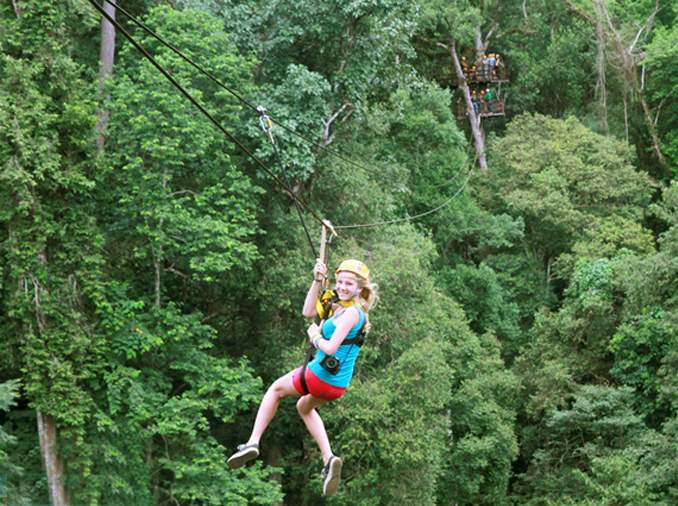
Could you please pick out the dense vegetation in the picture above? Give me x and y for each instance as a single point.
(524, 350)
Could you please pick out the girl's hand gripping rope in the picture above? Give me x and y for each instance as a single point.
(320, 270)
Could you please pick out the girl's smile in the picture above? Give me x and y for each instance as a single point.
(346, 286)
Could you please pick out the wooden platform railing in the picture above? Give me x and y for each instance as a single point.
(446, 78)
(494, 108)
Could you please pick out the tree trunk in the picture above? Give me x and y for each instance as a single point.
(656, 143)
(54, 468)
(479, 49)
(476, 128)
(107, 55)
(601, 84)
(158, 255)
(627, 63)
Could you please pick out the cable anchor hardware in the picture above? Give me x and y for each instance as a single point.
(265, 122)
(266, 125)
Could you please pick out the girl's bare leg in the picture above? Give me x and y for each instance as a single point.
(281, 388)
(306, 406)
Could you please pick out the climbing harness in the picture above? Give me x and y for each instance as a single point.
(330, 298)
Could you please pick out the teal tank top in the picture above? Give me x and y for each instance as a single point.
(346, 354)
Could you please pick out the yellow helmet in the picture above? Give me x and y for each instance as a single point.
(356, 267)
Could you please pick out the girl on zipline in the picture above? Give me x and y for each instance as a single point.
(323, 380)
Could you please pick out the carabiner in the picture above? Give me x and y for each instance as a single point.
(264, 120)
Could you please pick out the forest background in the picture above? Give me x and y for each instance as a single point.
(524, 351)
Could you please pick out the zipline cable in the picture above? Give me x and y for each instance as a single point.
(222, 85)
(418, 215)
(266, 125)
(200, 107)
(236, 141)
(463, 164)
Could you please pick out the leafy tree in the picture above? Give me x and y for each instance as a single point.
(485, 302)
(615, 325)
(8, 466)
(182, 220)
(622, 32)
(585, 449)
(191, 210)
(50, 243)
(341, 53)
(552, 65)
(647, 335)
(661, 52)
(120, 370)
(566, 183)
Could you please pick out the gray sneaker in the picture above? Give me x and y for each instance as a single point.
(331, 475)
(244, 454)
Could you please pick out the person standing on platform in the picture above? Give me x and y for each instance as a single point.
(490, 62)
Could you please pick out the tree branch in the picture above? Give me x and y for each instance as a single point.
(495, 24)
(647, 24)
(221, 312)
(432, 42)
(17, 9)
(522, 29)
(326, 137)
(573, 8)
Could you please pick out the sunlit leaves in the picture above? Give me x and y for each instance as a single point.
(562, 178)
(174, 177)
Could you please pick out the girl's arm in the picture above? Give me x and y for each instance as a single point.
(348, 319)
(319, 272)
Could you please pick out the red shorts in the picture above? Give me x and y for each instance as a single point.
(316, 387)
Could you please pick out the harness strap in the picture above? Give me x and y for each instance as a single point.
(309, 354)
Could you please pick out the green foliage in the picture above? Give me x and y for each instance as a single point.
(564, 180)
(175, 185)
(662, 53)
(394, 427)
(552, 65)
(647, 335)
(482, 411)
(302, 102)
(524, 281)
(640, 344)
(667, 210)
(351, 45)
(149, 291)
(603, 239)
(50, 242)
(156, 405)
(460, 17)
(8, 394)
(484, 300)
(584, 448)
